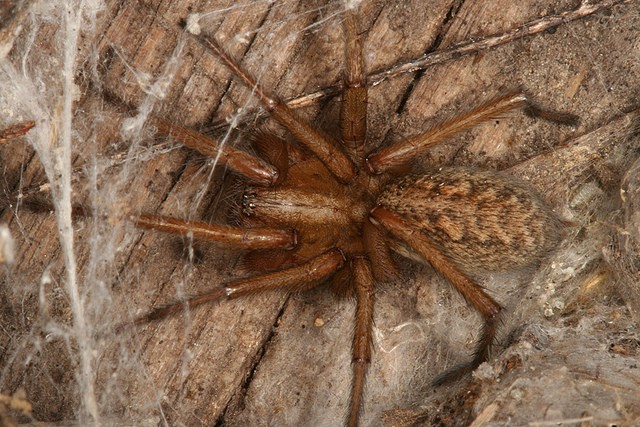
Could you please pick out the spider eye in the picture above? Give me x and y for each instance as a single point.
(248, 202)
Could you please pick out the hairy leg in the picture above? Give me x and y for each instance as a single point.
(300, 277)
(365, 298)
(15, 131)
(403, 152)
(229, 236)
(322, 145)
(249, 166)
(353, 113)
(472, 293)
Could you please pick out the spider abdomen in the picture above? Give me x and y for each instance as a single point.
(481, 220)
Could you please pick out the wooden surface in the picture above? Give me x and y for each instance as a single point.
(285, 360)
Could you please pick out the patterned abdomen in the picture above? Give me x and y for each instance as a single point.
(481, 220)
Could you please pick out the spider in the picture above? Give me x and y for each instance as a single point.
(332, 212)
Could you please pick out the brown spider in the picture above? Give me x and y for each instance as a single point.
(332, 212)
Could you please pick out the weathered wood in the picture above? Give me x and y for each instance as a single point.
(278, 360)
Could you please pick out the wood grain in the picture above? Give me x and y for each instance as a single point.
(285, 360)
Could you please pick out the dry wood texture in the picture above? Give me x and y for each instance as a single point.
(569, 345)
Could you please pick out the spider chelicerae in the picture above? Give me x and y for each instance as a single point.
(325, 211)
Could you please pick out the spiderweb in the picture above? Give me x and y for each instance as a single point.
(91, 73)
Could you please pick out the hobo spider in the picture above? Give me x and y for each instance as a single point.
(326, 212)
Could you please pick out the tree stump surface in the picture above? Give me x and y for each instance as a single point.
(568, 345)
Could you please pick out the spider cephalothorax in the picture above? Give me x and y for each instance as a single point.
(324, 212)
(319, 210)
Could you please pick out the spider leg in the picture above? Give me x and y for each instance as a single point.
(378, 251)
(240, 162)
(301, 277)
(273, 149)
(403, 152)
(472, 293)
(233, 237)
(353, 114)
(362, 343)
(229, 236)
(322, 145)
(15, 131)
